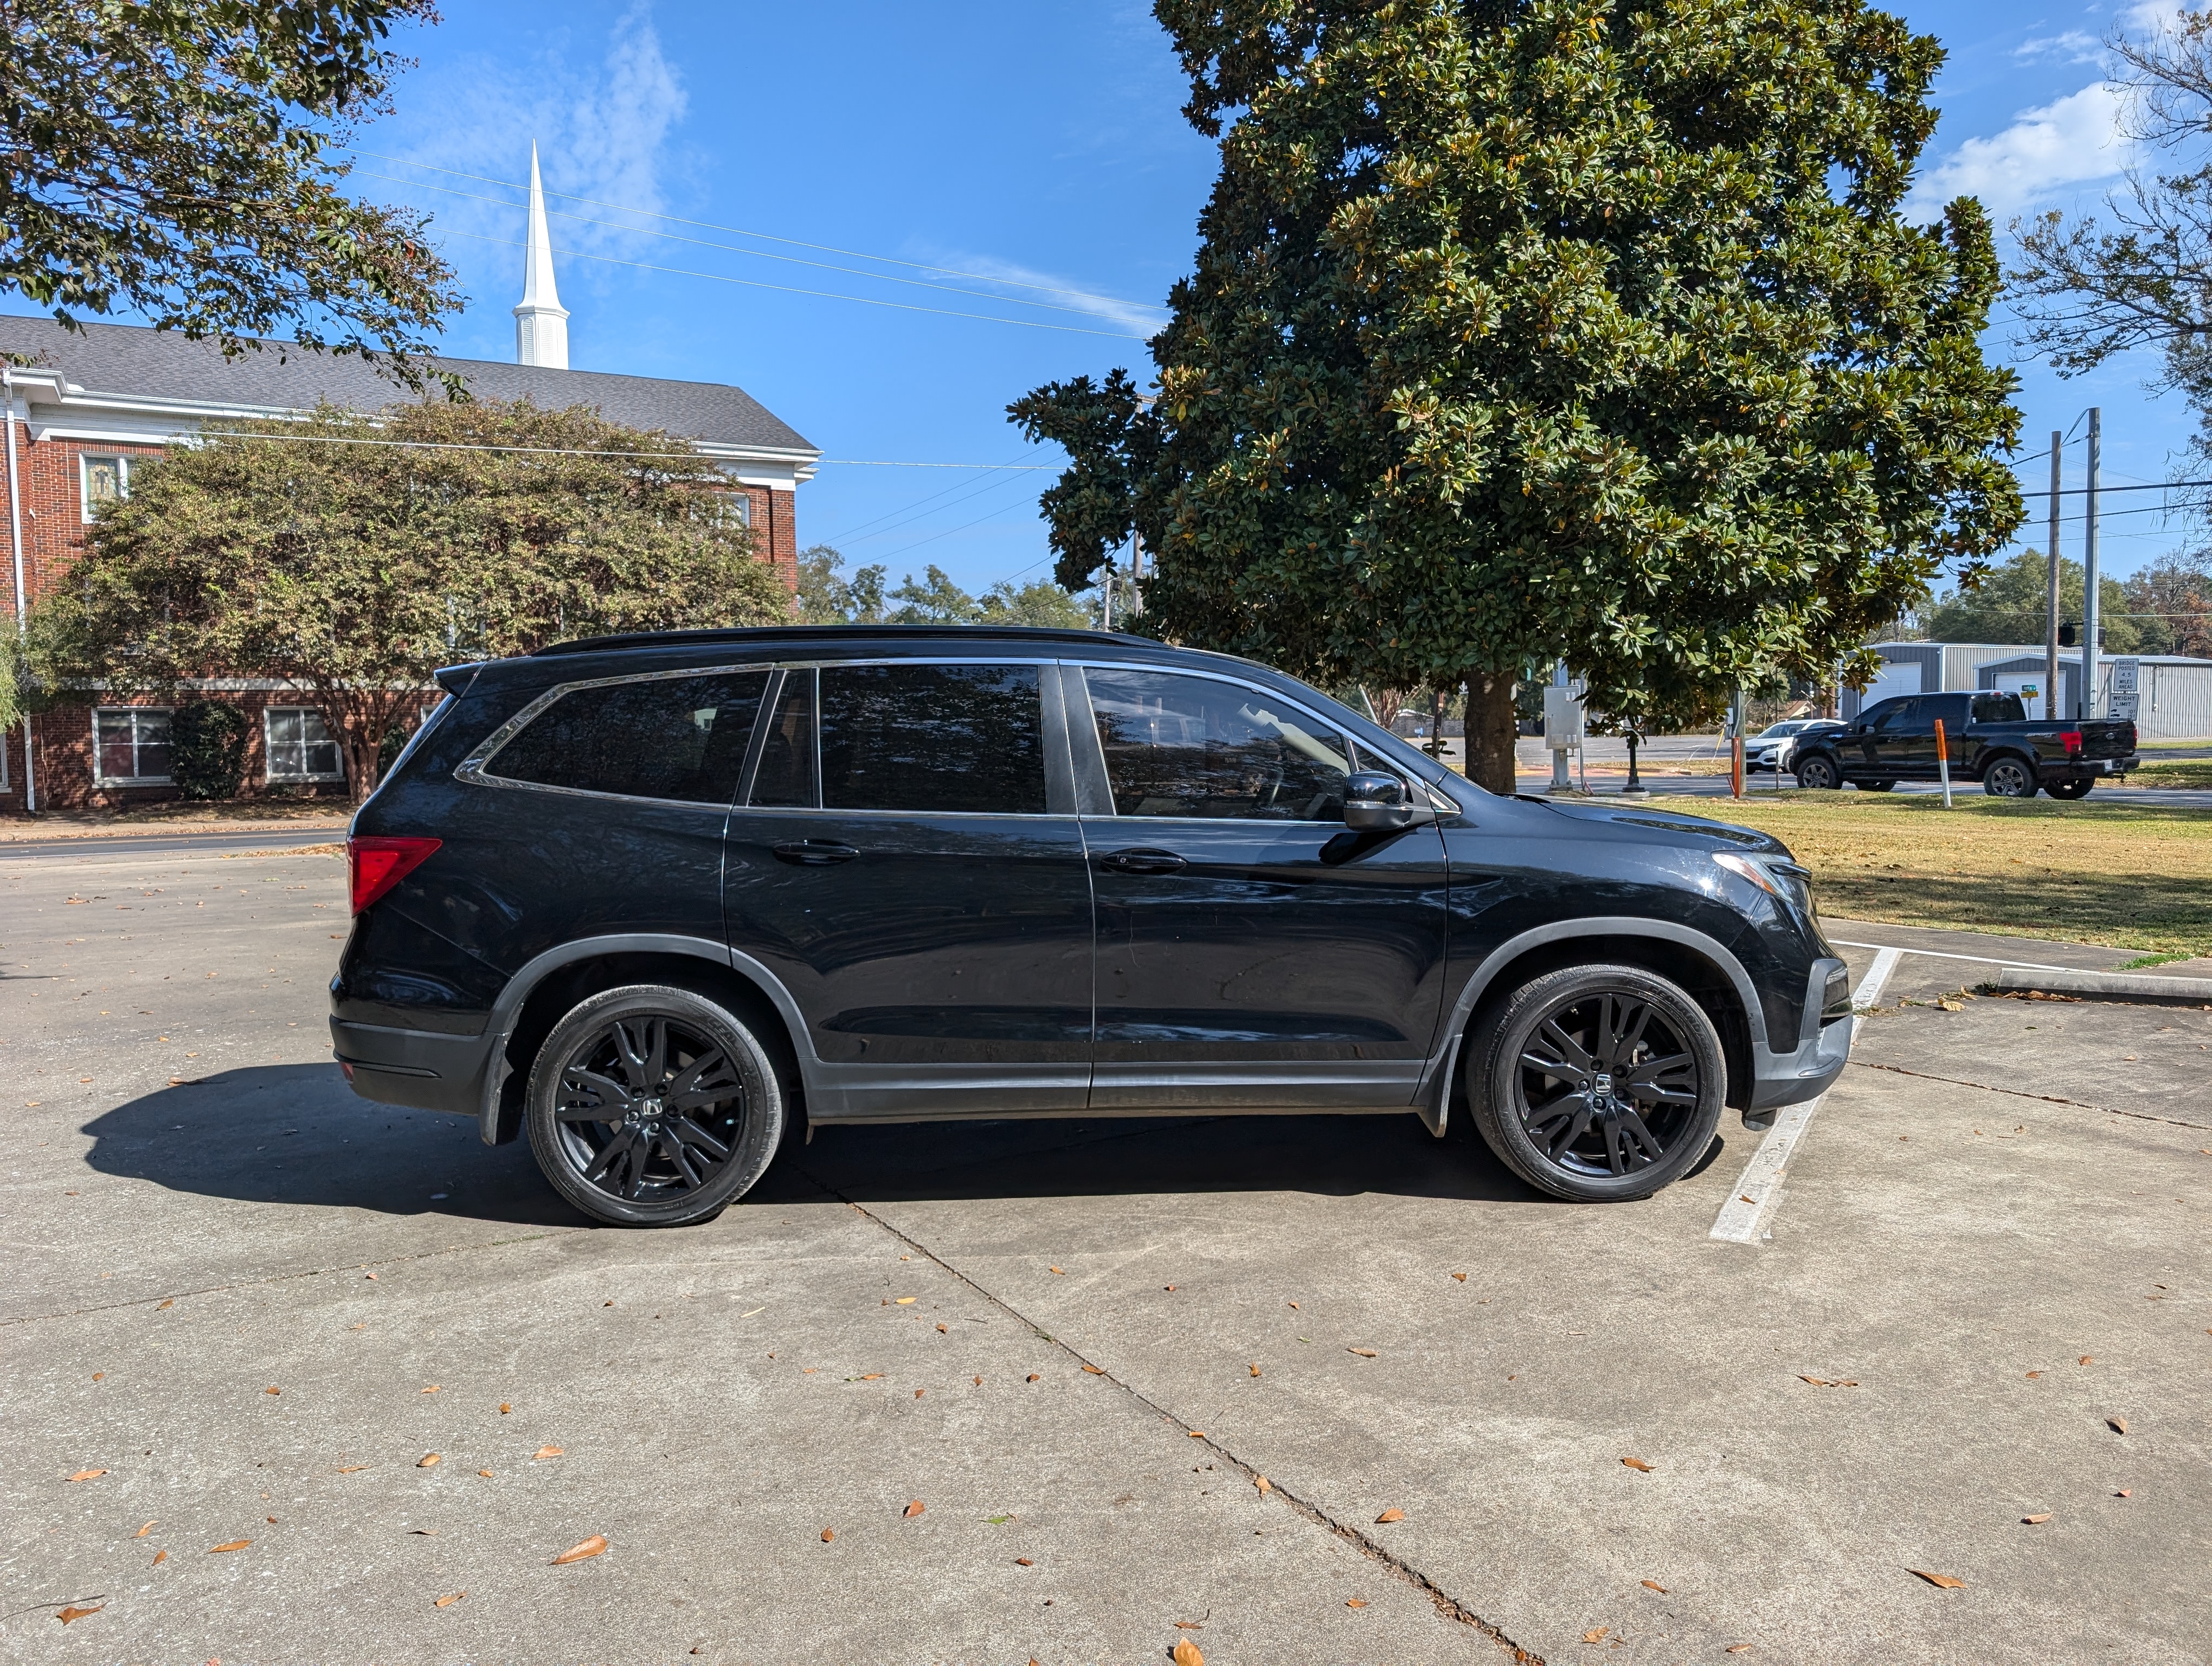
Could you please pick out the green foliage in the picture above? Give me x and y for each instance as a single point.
(11, 671)
(2009, 603)
(207, 749)
(355, 558)
(1568, 329)
(826, 597)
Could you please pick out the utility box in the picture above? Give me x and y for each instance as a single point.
(1563, 718)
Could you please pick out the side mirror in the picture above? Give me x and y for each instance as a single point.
(1377, 803)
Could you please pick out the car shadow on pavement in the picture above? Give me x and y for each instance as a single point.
(296, 1134)
(1327, 1156)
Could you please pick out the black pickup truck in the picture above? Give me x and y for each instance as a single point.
(1991, 739)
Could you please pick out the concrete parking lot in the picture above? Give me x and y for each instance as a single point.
(1970, 1337)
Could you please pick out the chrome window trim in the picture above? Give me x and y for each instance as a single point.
(1328, 724)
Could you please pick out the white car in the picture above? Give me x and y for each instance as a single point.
(1770, 747)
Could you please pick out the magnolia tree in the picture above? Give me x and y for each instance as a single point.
(1565, 329)
(353, 556)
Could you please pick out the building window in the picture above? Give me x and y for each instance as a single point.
(734, 509)
(301, 745)
(106, 480)
(131, 745)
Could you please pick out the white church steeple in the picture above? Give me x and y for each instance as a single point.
(541, 323)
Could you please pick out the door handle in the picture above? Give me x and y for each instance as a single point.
(1144, 861)
(815, 853)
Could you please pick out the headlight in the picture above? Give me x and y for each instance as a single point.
(1777, 876)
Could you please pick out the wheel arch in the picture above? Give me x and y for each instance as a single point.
(1699, 964)
(549, 986)
(1997, 754)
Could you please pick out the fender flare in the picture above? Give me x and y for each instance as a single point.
(506, 1011)
(1434, 1097)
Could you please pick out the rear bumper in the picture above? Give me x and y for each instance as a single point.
(2074, 768)
(424, 1069)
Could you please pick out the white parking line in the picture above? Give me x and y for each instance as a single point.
(1945, 954)
(1745, 1216)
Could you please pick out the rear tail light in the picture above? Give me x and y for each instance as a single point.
(379, 864)
(2070, 739)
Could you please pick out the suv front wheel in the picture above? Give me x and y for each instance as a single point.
(653, 1106)
(1597, 1084)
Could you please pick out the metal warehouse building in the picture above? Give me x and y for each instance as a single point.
(2175, 692)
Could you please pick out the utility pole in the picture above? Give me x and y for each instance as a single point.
(2050, 627)
(2089, 575)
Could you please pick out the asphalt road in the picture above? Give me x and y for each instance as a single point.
(1078, 1346)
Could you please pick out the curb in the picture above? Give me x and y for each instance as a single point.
(2106, 986)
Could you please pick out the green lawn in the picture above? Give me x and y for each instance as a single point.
(2103, 870)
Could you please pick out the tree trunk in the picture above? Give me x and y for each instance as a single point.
(1490, 724)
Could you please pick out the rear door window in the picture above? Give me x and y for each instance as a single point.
(1998, 708)
(1196, 746)
(1893, 714)
(933, 739)
(676, 738)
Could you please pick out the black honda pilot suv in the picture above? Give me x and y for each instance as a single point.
(658, 900)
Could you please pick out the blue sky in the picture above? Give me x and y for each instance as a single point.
(1029, 162)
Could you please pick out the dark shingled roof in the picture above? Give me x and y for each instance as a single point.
(127, 360)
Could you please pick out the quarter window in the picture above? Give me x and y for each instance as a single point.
(1194, 746)
(106, 480)
(1999, 709)
(933, 738)
(301, 745)
(132, 744)
(678, 738)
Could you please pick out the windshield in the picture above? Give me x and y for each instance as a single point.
(1774, 730)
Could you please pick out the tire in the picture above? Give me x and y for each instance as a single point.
(1819, 774)
(1542, 1123)
(2009, 777)
(1877, 786)
(2076, 787)
(630, 1051)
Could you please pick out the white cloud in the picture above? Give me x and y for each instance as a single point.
(2069, 46)
(2074, 141)
(1044, 290)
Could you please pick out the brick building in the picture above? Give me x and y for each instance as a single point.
(84, 410)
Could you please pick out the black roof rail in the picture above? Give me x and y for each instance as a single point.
(652, 639)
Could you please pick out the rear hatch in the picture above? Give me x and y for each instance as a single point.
(2104, 738)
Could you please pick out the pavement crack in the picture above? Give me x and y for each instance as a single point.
(1445, 1604)
(2017, 1093)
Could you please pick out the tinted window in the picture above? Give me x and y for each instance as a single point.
(1895, 713)
(933, 738)
(1999, 709)
(661, 738)
(785, 775)
(1191, 746)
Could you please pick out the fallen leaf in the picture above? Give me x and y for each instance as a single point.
(829, 1534)
(1461, 1277)
(1637, 1464)
(1264, 1486)
(2089, 1359)
(941, 1329)
(1364, 1353)
(1023, 1561)
(1294, 1306)
(2124, 1494)
(1195, 1434)
(594, 1546)
(1595, 1633)
(2037, 1521)
(1032, 1376)
(172, 1302)
(1187, 1654)
(235, 1544)
(486, 1473)
(423, 1532)
(979, 1382)
(97, 1375)
(1653, 1584)
(872, 1377)
(1256, 1371)
(433, 1389)
(1941, 1581)
(2034, 1374)
(1817, 1381)
(72, 1615)
(1093, 1370)
(1061, 1274)
(547, 1452)
(907, 1301)
(1355, 1602)
(918, 1393)
(1738, 1648)
(144, 1530)
(89, 1475)
(504, 1408)
(448, 1601)
(272, 1389)
(2119, 1425)
(350, 1470)
(1392, 1514)
(428, 1461)
(914, 1508)
(159, 1557)
(371, 1276)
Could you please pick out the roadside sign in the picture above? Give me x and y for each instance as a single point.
(2126, 697)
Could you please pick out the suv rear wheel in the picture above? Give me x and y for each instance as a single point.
(1597, 1082)
(653, 1106)
(2074, 787)
(1818, 773)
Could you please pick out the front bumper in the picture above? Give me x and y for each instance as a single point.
(1810, 1067)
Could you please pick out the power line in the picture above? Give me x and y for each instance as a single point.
(857, 535)
(579, 451)
(763, 254)
(736, 231)
(2102, 490)
(787, 289)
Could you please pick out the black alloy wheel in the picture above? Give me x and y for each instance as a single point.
(2075, 787)
(1819, 774)
(1598, 1083)
(2008, 778)
(653, 1106)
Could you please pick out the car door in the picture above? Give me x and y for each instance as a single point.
(1251, 951)
(905, 861)
(1885, 745)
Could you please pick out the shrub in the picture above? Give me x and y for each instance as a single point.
(208, 759)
